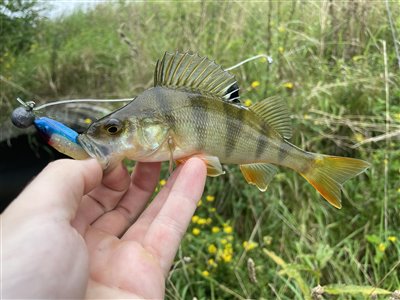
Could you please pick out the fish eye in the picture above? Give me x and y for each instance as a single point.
(113, 126)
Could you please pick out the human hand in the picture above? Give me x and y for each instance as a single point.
(73, 233)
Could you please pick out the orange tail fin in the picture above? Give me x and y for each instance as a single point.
(327, 174)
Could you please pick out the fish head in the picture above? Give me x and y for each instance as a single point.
(109, 138)
(135, 132)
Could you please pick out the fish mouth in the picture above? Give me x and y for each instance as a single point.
(100, 152)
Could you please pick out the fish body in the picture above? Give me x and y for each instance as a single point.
(60, 137)
(196, 125)
(193, 110)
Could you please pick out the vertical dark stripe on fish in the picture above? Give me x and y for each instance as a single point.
(262, 141)
(165, 108)
(200, 120)
(234, 128)
(283, 152)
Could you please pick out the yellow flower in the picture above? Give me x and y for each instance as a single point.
(227, 255)
(212, 249)
(211, 262)
(227, 258)
(215, 229)
(196, 231)
(224, 241)
(163, 182)
(230, 237)
(398, 190)
(228, 229)
(382, 247)
(195, 219)
(306, 117)
(397, 117)
(199, 203)
(212, 209)
(205, 273)
(255, 84)
(208, 221)
(288, 85)
(228, 247)
(281, 29)
(392, 238)
(281, 50)
(88, 121)
(358, 137)
(248, 102)
(210, 198)
(249, 245)
(201, 221)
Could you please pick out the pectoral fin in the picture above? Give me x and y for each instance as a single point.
(259, 175)
(214, 167)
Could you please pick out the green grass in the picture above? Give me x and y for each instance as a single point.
(329, 63)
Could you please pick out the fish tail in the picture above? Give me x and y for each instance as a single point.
(327, 174)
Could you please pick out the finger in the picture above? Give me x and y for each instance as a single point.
(59, 188)
(103, 198)
(166, 231)
(144, 181)
(138, 230)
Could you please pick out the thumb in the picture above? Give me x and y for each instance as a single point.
(58, 189)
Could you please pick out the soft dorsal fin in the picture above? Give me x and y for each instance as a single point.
(190, 72)
(275, 112)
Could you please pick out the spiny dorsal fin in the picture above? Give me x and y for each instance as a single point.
(190, 72)
(275, 112)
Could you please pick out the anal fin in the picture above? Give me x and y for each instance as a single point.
(259, 174)
(214, 167)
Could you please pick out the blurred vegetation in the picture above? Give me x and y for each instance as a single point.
(19, 21)
(335, 63)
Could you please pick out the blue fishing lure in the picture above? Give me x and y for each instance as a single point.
(60, 137)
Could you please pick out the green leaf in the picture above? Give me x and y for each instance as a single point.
(291, 272)
(339, 289)
(373, 239)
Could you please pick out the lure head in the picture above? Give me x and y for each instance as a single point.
(22, 117)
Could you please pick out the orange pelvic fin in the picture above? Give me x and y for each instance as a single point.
(327, 174)
(214, 167)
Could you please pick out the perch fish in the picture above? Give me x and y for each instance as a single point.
(194, 110)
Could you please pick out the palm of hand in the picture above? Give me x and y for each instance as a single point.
(124, 269)
(114, 259)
